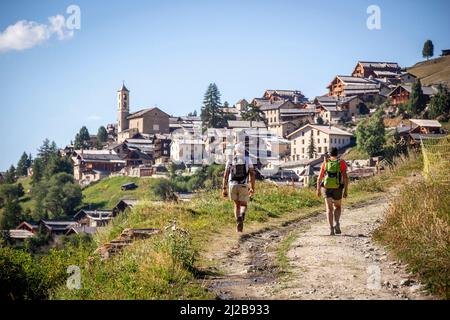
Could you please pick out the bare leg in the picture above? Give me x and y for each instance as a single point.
(337, 210)
(329, 204)
(243, 209)
(237, 209)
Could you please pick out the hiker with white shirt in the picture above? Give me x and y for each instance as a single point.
(239, 172)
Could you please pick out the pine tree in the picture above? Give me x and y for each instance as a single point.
(311, 146)
(428, 49)
(252, 113)
(440, 104)
(102, 134)
(11, 215)
(23, 165)
(211, 113)
(38, 171)
(320, 121)
(11, 175)
(82, 139)
(416, 103)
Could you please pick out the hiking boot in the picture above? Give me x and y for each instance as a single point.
(337, 228)
(331, 231)
(240, 224)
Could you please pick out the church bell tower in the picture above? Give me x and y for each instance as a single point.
(123, 100)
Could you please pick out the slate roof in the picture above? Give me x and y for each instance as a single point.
(123, 88)
(95, 214)
(82, 229)
(331, 130)
(87, 156)
(428, 91)
(20, 234)
(58, 225)
(426, 123)
(245, 124)
(141, 113)
(379, 65)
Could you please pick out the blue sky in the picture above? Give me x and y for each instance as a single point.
(169, 51)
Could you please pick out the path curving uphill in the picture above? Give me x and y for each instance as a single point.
(346, 266)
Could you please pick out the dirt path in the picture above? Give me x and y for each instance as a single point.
(347, 266)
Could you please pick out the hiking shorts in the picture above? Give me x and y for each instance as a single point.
(336, 194)
(239, 192)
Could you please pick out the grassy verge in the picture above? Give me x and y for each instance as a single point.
(417, 229)
(283, 248)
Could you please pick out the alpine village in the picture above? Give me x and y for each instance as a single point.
(89, 200)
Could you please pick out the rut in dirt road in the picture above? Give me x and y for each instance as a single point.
(347, 266)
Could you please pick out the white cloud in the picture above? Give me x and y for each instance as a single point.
(27, 34)
(94, 117)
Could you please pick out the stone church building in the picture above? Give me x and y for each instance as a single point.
(149, 121)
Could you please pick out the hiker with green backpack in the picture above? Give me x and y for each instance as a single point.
(332, 184)
(239, 172)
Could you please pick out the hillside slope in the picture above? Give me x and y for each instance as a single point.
(433, 71)
(106, 193)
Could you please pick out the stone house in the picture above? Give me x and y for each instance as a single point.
(324, 138)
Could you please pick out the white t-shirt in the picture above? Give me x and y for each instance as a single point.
(248, 166)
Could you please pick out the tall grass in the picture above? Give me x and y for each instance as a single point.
(417, 228)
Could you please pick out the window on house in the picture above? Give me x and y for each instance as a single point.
(320, 149)
(325, 140)
(326, 149)
(318, 140)
(156, 127)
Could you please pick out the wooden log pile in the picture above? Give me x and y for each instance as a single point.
(123, 240)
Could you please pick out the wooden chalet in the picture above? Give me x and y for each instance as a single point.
(92, 165)
(16, 237)
(283, 116)
(123, 205)
(28, 226)
(93, 218)
(366, 69)
(345, 86)
(56, 227)
(334, 109)
(420, 129)
(81, 230)
(294, 96)
(400, 95)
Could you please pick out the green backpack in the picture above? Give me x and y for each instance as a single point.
(332, 178)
